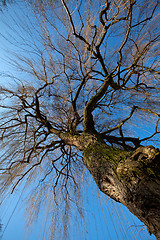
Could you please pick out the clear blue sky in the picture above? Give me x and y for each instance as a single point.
(105, 220)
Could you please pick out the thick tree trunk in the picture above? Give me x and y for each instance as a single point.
(130, 178)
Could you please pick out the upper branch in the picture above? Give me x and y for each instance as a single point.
(73, 26)
(121, 124)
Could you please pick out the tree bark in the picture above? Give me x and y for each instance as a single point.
(132, 178)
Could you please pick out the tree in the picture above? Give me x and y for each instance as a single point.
(91, 78)
(3, 3)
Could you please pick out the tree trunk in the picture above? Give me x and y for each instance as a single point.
(132, 178)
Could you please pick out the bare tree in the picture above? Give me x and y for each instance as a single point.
(89, 90)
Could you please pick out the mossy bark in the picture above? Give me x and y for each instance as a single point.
(132, 178)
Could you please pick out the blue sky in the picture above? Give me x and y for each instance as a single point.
(104, 219)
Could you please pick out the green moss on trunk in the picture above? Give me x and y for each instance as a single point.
(104, 153)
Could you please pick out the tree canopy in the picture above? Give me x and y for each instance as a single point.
(82, 67)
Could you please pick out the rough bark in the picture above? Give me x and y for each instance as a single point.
(132, 178)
